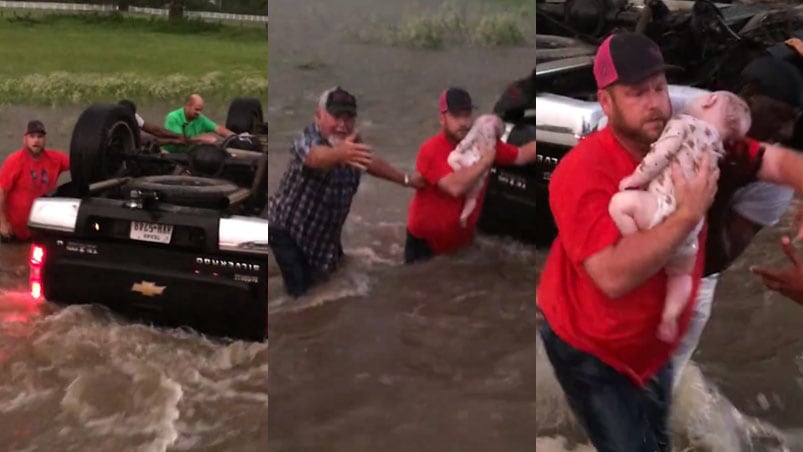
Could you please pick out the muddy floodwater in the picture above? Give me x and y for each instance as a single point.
(433, 357)
(444, 356)
(80, 378)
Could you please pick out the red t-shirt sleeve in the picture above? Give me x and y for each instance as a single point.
(64, 161)
(506, 154)
(579, 194)
(8, 173)
(430, 166)
(754, 149)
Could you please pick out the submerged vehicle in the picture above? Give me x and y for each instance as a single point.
(172, 239)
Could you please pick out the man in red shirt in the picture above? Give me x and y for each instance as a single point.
(602, 294)
(434, 226)
(27, 174)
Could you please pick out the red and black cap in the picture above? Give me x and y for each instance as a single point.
(35, 126)
(455, 100)
(339, 101)
(628, 57)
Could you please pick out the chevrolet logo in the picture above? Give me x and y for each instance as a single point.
(147, 288)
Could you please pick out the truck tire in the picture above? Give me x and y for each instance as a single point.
(100, 138)
(188, 191)
(245, 114)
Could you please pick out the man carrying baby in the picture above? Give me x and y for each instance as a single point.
(434, 225)
(601, 293)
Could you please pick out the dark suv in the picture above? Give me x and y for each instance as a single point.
(173, 239)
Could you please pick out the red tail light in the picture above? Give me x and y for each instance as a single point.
(36, 263)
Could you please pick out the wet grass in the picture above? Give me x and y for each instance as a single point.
(488, 23)
(56, 59)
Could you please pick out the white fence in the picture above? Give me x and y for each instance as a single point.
(207, 15)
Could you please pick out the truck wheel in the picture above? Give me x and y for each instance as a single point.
(189, 191)
(100, 138)
(245, 114)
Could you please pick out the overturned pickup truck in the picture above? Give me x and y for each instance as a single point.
(172, 239)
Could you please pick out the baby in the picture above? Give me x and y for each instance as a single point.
(486, 130)
(708, 120)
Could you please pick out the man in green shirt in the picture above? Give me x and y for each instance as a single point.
(190, 123)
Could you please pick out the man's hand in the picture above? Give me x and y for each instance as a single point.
(796, 44)
(417, 180)
(5, 227)
(787, 281)
(204, 139)
(163, 141)
(695, 196)
(799, 222)
(358, 155)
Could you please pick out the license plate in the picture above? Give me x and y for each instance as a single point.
(151, 232)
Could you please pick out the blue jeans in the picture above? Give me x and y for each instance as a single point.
(296, 272)
(617, 415)
(416, 249)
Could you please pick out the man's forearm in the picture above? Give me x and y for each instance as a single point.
(382, 169)
(458, 183)
(3, 217)
(164, 133)
(635, 258)
(224, 132)
(323, 157)
(160, 132)
(526, 154)
(782, 166)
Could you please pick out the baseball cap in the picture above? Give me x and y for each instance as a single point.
(35, 126)
(627, 57)
(338, 101)
(455, 100)
(775, 78)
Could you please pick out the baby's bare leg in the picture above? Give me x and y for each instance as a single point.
(468, 207)
(632, 210)
(470, 203)
(678, 293)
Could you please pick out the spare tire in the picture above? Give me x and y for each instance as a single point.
(245, 114)
(207, 159)
(100, 138)
(188, 191)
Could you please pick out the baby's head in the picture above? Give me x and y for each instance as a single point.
(773, 119)
(725, 111)
(492, 122)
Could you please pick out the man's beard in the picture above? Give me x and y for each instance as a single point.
(337, 138)
(638, 134)
(456, 135)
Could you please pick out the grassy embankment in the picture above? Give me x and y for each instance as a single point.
(57, 59)
(487, 23)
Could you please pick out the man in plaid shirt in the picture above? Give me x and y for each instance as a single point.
(307, 212)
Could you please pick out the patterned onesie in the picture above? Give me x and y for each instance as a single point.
(685, 139)
(486, 130)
